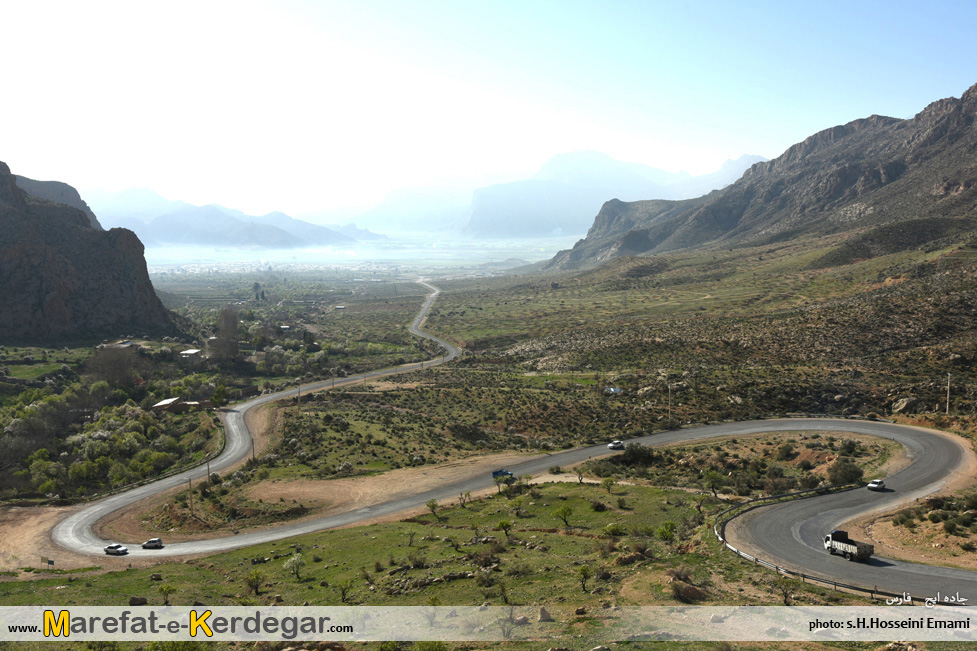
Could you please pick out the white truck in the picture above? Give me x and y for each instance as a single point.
(838, 542)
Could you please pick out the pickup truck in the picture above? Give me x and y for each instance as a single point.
(838, 542)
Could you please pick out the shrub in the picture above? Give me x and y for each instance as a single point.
(681, 573)
(687, 593)
(844, 471)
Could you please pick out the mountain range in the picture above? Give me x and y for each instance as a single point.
(877, 175)
(158, 222)
(559, 199)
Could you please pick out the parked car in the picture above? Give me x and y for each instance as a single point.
(153, 543)
(115, 549)
(876, 485)
(616, 445)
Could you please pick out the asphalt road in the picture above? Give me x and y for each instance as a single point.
(76, 531)
(790, 533)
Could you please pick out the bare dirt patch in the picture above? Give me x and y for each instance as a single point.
(26, 539)
(322, 497)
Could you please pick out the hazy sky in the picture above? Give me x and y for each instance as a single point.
(299, 106)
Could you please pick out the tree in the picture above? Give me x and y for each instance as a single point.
(432, 505)
(584, 574)
(786, 587)
(607, 483)
(117, 366)
(844, 471)
(713, 480)
(506, 527)
(219, 399)
(294, 565)
(254, 580)
(226, 346)
(500, 481)
(563, 513)
(345, 588)
(166, 590)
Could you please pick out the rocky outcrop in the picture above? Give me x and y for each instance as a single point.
(867, 173)
(57, 192)
(60, 277)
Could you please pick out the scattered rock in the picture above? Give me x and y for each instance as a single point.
(905, 406)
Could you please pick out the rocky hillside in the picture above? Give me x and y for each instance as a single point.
(870, 172)
(63, 278)
(57, 192)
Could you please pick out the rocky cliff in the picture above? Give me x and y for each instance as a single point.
(60, 277)
(57, 192)
(867, 173)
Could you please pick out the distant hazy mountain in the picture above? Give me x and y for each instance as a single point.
(569, 189)
(901, 182)
(560, 199)
(424, 210)
(306, 232)
(140, 204)
(358, 234)
(159, 221)
(57, 192)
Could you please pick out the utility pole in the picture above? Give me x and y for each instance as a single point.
(669, 402)
(947, 394)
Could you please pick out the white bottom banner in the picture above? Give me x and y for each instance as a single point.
(473, 623)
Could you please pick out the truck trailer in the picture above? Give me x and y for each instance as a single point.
(838, 542)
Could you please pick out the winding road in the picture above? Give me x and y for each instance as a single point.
(789, 533)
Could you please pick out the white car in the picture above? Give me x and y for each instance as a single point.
(616, 445)
(153, 543)
(116, 549)
(876, 485)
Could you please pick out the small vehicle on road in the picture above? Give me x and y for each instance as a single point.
(115, 549)
(838, 542)
(153, 543)
(616, 445)
(876, 485)
(503, 475)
